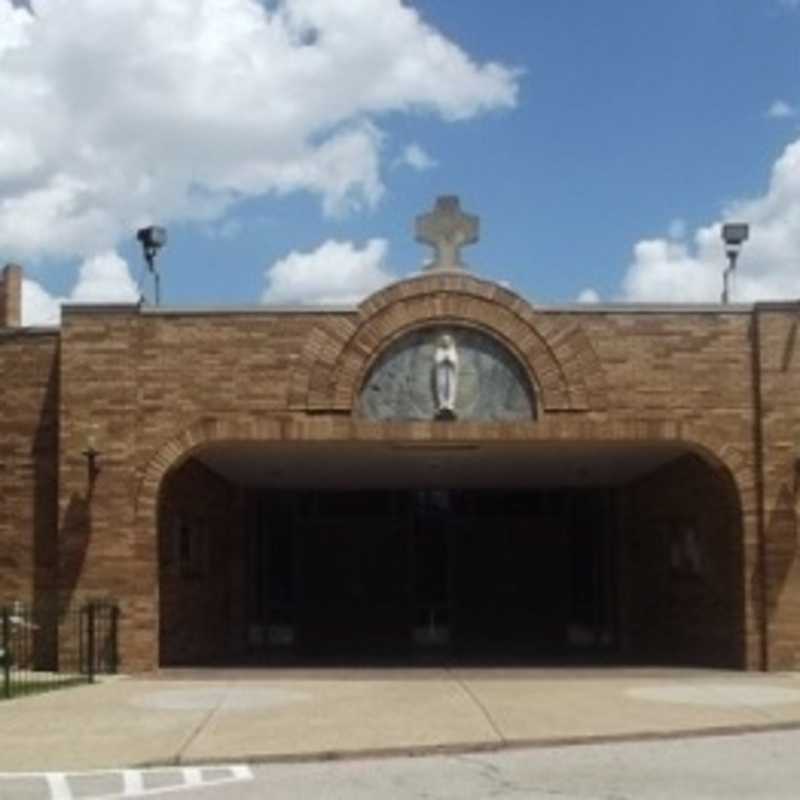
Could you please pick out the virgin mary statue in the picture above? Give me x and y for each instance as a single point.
(446, 377)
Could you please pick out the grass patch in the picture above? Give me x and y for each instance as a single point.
(30, 688)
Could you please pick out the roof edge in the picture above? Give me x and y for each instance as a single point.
(555, 308)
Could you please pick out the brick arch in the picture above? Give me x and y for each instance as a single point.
(180, 447)
(733, 465)
(319, 352)
(557, 355)
(731, 462)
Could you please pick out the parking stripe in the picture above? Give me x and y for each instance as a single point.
(132, 782)
(242, 773)
(192, 777)
(59, 786)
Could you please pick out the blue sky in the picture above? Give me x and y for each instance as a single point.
(601, 153)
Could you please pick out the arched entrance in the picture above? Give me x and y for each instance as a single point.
(486, 550)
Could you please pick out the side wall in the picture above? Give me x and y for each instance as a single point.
(201, 553)
(681, 566)
(133, 382)
(100, 400)
(28, 465)
(777, 338)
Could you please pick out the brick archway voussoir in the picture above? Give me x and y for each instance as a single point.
(387, 325)
(558, 357)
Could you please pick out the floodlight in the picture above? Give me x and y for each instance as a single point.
(154, 237)
(152, 240)
(734, 234)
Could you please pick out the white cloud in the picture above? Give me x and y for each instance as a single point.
(104, 278)
(667, 271)
(769, 264)
(588, 296)
(39, 307)
(18, 157)
(336, 272)
(417, 158)
(780, 109)
(119, 113)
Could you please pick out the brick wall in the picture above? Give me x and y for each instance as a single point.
(147, 379)
(200, 547)
(150, 387)
(684, 366)
(28, 464)
(681, 567)
(100, 554)
(778, 445)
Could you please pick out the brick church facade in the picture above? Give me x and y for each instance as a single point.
(247, 483)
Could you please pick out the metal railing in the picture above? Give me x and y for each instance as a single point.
(42, 647)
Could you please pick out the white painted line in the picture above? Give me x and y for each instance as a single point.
(132, 782)
(58, 785)
(192, 777)
(241, 773)
(108, 771)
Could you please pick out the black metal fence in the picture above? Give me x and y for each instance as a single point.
(42, 647)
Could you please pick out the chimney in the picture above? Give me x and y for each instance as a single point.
(11, 296)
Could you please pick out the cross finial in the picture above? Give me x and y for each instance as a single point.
(447, 229)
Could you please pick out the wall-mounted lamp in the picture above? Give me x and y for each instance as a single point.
(734, 234)
(152, 240)
(91, 454)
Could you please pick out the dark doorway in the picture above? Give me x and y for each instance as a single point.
(426, 574)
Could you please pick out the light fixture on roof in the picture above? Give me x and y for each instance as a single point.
(734, 234)
(152, 240)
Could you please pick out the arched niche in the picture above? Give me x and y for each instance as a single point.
(490, 383)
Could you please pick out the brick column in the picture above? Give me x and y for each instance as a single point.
(11, 297)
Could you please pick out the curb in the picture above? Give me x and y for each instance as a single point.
(467, 748)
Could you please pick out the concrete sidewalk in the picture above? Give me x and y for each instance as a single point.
(202, 717)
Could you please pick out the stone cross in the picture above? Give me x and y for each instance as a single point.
(447, 229)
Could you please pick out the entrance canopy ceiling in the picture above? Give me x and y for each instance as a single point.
(341, 465)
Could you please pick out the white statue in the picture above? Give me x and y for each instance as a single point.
(446, 376)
